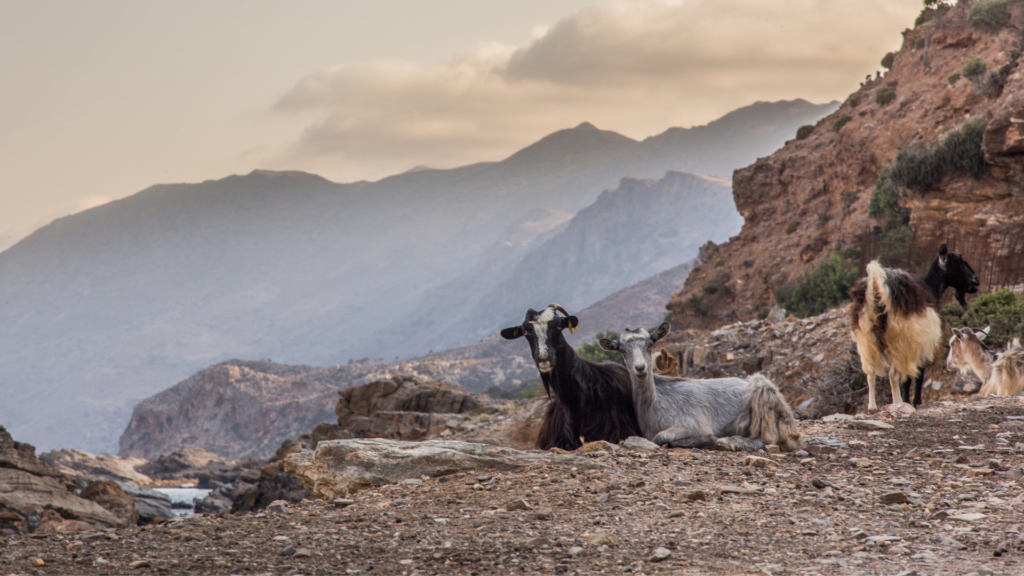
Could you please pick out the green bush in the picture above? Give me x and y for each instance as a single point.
(853, 101)
(719, 263)
(826, 287)
(710, 287)
(804, 131)
(791, 227)
(953, 78)
(990, 14)
(974, 69)
(1002, 310)
(923, 170)
(592, 350)
(887, 60)
(884, 95)
(840, 121)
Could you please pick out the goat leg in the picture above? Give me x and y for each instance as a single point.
(685, 437)
(895, 381)
(905, 388)
(918, 385)
(872, 406)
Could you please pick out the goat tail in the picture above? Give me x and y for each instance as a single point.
(771, 418)
(877, 298)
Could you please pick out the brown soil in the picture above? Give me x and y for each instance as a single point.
(800, 513)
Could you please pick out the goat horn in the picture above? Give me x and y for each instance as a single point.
(558, 308)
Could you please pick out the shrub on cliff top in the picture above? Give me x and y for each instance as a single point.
(840, 121)
(827, 286)
(885, 95)
(991, 14)
(887, 60)
(974, 69)
(922, 170)
(804, 131)
(1002, 310)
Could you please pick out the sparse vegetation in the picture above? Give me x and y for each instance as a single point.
(1002, 310)
(804, 131)
(840, 121)
(887, 60)
(953, 78)
(762, 311)
(853, 101)
(710, 287)
(592, 350)
(991, 14)
(719, 263)
(825, 287)
(697, 305)
(904, 104)
(974, 69)
(705, 251)
(792, 226)
(919, 43)
(884, 95)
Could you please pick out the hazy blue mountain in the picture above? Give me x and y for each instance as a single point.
(108, 306)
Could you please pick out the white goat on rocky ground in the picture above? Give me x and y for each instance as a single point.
(723, 413)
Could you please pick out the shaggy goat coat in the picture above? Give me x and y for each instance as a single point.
(1007, 376)
(895, 326)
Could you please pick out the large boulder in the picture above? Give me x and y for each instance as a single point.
(149, 503)
(273, 484)
(343, 467)
(405, 407)
(112, 497)
(191, 463)
(111, 467)
(30, 487)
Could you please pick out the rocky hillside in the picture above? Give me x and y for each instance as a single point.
(109, 306)
(810, 199)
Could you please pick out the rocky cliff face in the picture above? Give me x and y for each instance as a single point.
(810, 198)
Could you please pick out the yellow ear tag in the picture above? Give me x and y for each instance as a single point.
(582, 441)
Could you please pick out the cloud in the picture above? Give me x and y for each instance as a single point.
(636, 67)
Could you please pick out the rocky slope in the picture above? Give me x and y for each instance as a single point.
(936, 492)
(809, 199)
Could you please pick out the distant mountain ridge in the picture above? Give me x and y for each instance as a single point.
(105, 307)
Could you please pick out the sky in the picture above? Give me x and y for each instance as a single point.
(102, 99)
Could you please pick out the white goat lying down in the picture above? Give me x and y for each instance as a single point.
(725, 413)
(1001, 373)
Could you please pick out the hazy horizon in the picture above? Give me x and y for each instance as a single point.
(108, 98)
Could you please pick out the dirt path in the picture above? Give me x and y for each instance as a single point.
(799, 514)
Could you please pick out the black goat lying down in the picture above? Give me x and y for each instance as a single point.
(585, 399)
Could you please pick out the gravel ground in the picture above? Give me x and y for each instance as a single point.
(938, 494)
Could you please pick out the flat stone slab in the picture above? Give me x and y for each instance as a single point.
(340, 468)
(638, 443)
(973, 517)
(870, 425)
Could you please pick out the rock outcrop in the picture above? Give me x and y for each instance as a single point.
(405, 408)
(340, 468)
(810, 199)
(113, 498)
(111, 467)
(32, 491)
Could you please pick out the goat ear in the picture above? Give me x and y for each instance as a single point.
(570, 322)
(609, 345)
(512, 333)
(660, 332)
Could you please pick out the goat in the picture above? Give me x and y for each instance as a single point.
(896, 324)
(666, 364)
(1007, 376)
(725, 413)
(586, 400)
(967, 353)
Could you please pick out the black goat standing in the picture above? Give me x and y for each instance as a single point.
(585, 399)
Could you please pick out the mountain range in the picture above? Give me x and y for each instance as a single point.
(106, 307)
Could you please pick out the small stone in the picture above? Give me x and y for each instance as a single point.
(280, 538)
(279, 507)
(976, 472)
(39, 562)
(801, 454)
(303, 553)
(343, 503)
(660, 554)
(837, 417)
(772, 449)
(857, 444)
(759, 462)
(676, 514)
(894, 498)
(412, 482)
(817, 449)
(908, 572)
(970, 517)
(520, 504)
(539, 542)
(139, 564)
(736, 490)
(638, 443)
(694, 495)
(405, 561)
(950, 542)
(603, 498)
(600, 540)
(899, 550)
(575, 551)
(870, 425)
(806, 461)
(599, 446)
(483, 479)
(287, 551)
(543, 514)
(819, 483)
